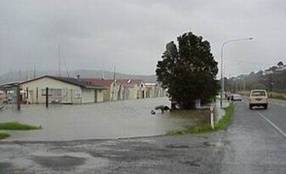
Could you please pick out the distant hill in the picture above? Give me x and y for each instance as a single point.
(27, 75)
(272, 79)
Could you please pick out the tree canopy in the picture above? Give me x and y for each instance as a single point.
(280, 63)
(188, 70)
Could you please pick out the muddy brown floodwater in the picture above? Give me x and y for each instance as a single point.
(120, 119)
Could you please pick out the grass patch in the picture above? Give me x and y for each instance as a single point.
(3, 135)
(17, 126)
(226, 119)
(279, 97)
(276, 95)
(203, 128)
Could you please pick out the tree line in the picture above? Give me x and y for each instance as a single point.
(272, 79)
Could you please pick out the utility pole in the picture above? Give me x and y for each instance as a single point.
(114, 73)
(221, 65)
(271, 84)
(18, 98)
(114, 81)
(34, 72)
(59, 60)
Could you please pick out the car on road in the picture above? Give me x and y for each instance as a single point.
(236, 97)
(233, 97)
(258, 97)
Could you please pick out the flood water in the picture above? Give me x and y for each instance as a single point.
(119, 119)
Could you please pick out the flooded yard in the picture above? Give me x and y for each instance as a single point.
(120, 119)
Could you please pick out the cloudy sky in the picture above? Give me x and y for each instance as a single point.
(131, 34)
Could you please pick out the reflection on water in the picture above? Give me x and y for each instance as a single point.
(96, 121)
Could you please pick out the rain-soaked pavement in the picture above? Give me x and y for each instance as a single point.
(257, 140)
(250, 145)
(96, 121)
(182, 154)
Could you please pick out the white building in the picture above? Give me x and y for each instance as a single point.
(281, 68)
(154, 90)
(268, 72)
(60, 90)
(131, 89)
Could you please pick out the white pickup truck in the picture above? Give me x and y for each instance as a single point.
(258, 97)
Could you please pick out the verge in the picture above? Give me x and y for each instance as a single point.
(3, 135)
(17, 126)
(204, 128)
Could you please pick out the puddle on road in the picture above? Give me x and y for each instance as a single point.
(67, 161)
(214, 144)
(172, 146)
(194, 163)
(5, 167)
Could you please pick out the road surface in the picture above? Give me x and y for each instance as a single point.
(257, 140)
(253, 143)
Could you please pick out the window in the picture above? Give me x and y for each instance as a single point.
(77, 93)
(52, 92)
(258, 93)
(43, 93)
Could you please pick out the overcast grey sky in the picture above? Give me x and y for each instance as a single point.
(131, 34)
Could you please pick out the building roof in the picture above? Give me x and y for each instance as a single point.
(99, 82)
(9, 85)
(108, 82)
(77, 82)
(151, 84)
(129, 82)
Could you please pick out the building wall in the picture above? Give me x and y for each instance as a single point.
(89, 96)
(70, 95)
(128, 92)
(154, 90)
(141, 92)
(120, 92)
(150, 91)
(133, 92)
(100, 95)
(114, 91)
(106, 95)
(92, 95)
(2, 96)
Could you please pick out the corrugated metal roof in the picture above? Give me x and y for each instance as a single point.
(100, 82)
(69, 80)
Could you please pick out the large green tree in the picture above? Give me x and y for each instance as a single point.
(188, 71)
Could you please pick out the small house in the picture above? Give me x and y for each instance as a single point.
(131, 89)
(112, 88)
(154, 90)
(10, 91)
(63, 90)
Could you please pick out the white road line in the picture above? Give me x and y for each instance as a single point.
(272, 124)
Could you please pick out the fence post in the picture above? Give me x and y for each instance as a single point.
(18, 99)
(47, 97)
(212, 116)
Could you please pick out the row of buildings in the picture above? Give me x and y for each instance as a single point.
(66, 90)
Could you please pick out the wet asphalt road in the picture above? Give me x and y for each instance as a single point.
(250, 145)
(257, 140)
